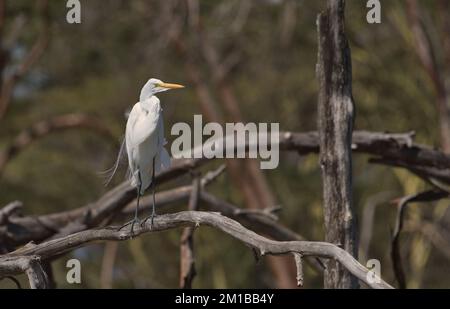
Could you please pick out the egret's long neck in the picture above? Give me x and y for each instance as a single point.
(149, 102)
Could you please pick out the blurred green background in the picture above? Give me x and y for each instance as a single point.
(99, 66)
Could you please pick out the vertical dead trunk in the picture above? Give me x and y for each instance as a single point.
(335, 122)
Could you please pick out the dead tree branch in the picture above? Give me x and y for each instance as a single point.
(260, 223)
(394, 146)
(29, 264)
(20, 230)
(299, 264)
(426, 196)
(187, 260)
(195, 218)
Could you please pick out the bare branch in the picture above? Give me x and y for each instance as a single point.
(48, 270)
(426, 172)
(197, 218)
(36, 275)
(20, 230)
(187, 260)
(41, 227)
(261, 224)
(299, 264)
(30, 264)
(426, 196)
(53, 225)
(9, 210)
(394, 146)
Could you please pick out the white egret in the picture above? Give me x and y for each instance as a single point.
(144, 140)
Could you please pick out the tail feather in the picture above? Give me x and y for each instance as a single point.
(109, 173)
(162, 160)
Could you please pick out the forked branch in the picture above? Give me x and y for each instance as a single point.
(265, 246)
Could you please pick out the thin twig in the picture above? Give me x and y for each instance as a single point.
(426, 196)
(187, 260)
(299, 265)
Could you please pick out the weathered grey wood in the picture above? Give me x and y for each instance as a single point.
(335, 125)
(29, 264)
(187, 259)
(299, 265)
(20, 230)
(36, 275)
(395, 149)
(265, 246)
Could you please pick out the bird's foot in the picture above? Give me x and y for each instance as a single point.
(151, 217)
(132, 223)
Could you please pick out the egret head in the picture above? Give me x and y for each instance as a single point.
(154, 85)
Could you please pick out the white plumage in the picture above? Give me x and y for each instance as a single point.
(144, 138)
(144, 141)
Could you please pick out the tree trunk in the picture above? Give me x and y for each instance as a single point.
(335, 122)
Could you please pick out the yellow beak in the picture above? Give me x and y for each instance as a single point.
(170, 86)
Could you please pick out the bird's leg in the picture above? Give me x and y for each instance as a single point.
(153, 195)
(136, 212)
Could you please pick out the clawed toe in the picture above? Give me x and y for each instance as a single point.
(151, 221)
(132, 223)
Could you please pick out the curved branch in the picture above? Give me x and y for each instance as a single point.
(20, 230)
(46, 127)
(381, 144)
(187, 259)
(29, 264)
(265, 246)
(426, 196)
